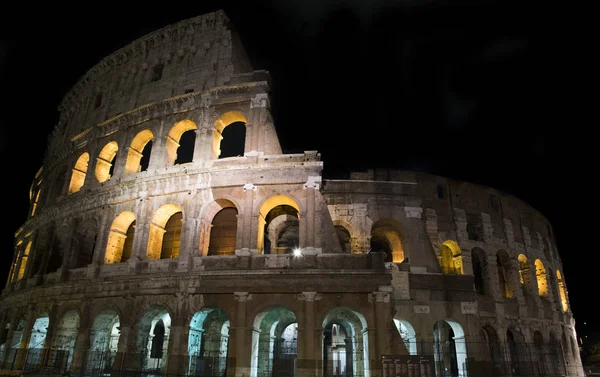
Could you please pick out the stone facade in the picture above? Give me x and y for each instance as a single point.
(148, 249)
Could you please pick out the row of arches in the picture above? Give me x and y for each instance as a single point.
(228, 140)
(519, 275)
(147, 346)
(215, 233)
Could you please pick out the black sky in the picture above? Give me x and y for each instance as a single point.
(481, 91)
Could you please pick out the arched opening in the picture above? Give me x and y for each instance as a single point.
(63, 342)
(79, 172)
(344, 239)
(480, 270)
(278, 226)
(120, 238)
(152, 340)
(234, 139)
(274, 343)
(542, 282)
(229, 135)
(504, 274)
(490, 337)
(524, 274)
(37, 340)
(387, 237)
(105, 162)
(172, 237)
(104, 342)
(282, 230)
(562, 292)
(223, 233)
(165, 233)
(23, 262)
(84, 243)
(451, 258)
(180, 142)
(138, 153)
(345, 344)
(450, 349)
(208, 343)
(408, 335)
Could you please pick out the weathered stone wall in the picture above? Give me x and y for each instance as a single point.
(381, 246)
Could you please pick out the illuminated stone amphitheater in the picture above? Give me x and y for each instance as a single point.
(168, 234)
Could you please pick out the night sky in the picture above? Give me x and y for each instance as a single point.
(482, 93)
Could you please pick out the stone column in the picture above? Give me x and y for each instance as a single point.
(23, 345)
(202, 145)
(187, 250)
(123, 350)
(121, 158)
(308, 247)
(258, 105)
(493, 278)
(381, 307)
(308, 347)
(243, 338)
(52, 326)
(157, 157)
(68, 251)
(249, 190)
(140, 243)
(178, 359)
(82, 342)
(9, 337)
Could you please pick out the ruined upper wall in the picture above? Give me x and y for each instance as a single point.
(488, 215)
(192, 55)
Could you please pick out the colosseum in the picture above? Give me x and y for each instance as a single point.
(168, 234)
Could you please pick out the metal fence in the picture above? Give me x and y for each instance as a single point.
(431, 359)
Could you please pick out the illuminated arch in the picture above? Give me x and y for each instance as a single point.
(223, 121)
(353, 325)
(136, 151)
(208, 339)
(408, 334)
(524, 271)
(267, 206)
(152, 338)
(105, 161)
(120, 238)
(79, 172)
(450, 348)
(387, 236)
(104, 340)
(23, 263)
(66, 334)
(174, 137)
(206, 223)
(542, 281)
(451, 258)
(562, 291)
(269, 327)
(160, 230)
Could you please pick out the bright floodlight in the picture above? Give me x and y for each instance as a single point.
(297, 252)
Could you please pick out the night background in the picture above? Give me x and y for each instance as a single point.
(481, 92)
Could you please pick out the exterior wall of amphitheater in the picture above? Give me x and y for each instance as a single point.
(125, 243)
